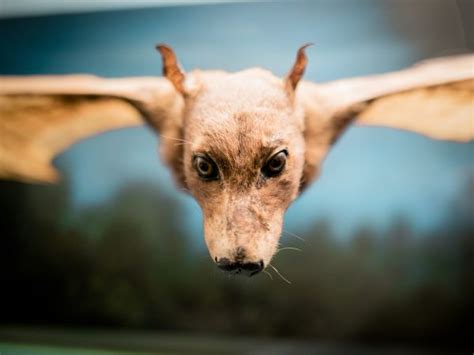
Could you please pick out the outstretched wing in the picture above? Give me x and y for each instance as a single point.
(42, 116)
(434, 98)
(443, 112)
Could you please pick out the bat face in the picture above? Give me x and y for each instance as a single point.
(242, 156)
(243, 144)
(243, 162)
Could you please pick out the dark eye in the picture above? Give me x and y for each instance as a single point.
(276, 164)
(205, 167)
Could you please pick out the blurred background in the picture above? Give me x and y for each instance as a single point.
(113, 257)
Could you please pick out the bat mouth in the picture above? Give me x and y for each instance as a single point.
(240, 268)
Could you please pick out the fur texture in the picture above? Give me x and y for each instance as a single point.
(237, 121)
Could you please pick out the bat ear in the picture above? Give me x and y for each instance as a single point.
(171, 68)
(296, 73)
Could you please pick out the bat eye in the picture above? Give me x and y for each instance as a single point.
(275, 164)
(205, 167)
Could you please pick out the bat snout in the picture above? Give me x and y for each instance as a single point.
(241, 249)
(241, 263)
(240, 267)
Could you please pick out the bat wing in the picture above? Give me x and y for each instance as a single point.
(42, 116)
(434, 98)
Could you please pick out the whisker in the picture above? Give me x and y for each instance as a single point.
(289, 248)
(176, 139)
(294, 235)
(278, 273)
(269, 275)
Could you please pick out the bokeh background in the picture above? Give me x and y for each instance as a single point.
(386, 234)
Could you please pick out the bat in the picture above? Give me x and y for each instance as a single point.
(244, 144)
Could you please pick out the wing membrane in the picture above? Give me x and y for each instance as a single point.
(443, 112)
(33, 129)
(41, 116)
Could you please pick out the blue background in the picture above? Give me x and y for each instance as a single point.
(372, 174)
(113, 256)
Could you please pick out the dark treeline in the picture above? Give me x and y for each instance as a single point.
(128, 264)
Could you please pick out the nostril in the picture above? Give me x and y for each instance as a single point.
(249, 269)
(253, 268)
(226, 265)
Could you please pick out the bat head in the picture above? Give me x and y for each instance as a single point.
(241, 157)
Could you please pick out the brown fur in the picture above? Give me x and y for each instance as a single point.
(240, 120)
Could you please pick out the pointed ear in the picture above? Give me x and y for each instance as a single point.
(296, 73)
(171, 68)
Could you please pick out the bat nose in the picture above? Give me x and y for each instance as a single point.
(244, 268)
